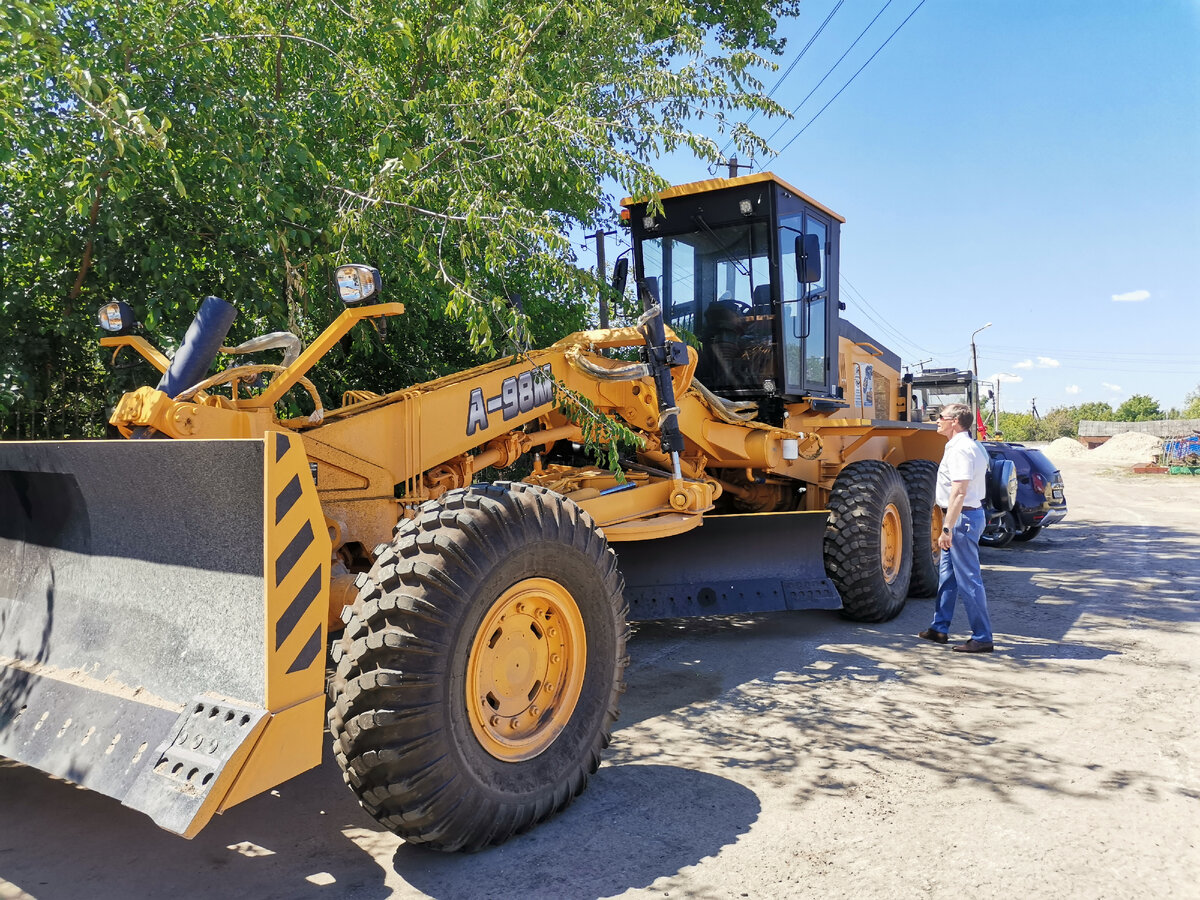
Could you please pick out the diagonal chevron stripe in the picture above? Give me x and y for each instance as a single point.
(307, 654)
(287, 498)
(292, 552)
(297, 608)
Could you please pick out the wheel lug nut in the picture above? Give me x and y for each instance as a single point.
(555, 658)
(534, 710)
(495, 720)
(513, 724)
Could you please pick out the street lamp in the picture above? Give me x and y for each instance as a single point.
(974, 358)
(975, 369)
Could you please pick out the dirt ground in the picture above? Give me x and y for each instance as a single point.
(790, 755)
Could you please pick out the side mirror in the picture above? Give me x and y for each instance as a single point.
(116, 317)
(357, 283)
(620, 276)
(808, 258)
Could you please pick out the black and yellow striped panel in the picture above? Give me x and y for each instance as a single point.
(297, 563)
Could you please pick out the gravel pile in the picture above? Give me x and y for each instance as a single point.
(1131, 448)
(1064, 448)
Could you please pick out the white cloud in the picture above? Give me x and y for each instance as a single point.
(1073, 389)
(1131, 297)
(1006, 377)
(1115, 388)
(1024, 364)
(1045, 362)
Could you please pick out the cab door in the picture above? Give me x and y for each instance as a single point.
(807, 317)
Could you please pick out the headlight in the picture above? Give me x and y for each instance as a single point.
(357, 283)
(116, 317)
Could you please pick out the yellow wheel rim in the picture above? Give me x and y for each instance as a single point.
(526, 668)
(891, 543)
(935, 530)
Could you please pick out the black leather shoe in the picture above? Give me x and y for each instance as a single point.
(974, 646)
(938, 637)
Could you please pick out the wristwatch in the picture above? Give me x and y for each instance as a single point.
(945, 530)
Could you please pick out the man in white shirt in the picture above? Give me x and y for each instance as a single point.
(961, 485)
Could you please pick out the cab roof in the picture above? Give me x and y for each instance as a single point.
(717, 184)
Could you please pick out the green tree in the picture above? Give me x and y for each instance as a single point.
(157, 152)
(1098, 411)
(1017, 426)
(1058, 422)
(1138, 408)
(1191, 405)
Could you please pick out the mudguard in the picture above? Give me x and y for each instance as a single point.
(162, 618)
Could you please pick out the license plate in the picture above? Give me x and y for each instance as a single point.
(1057, 494)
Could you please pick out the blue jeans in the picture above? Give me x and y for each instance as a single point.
(959, 576)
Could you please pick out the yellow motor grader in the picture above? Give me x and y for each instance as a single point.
(167, 599)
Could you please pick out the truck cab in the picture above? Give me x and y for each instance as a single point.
(745, 270)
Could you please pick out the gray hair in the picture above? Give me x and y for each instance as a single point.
(960, 411)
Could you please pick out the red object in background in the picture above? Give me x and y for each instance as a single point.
(980, 428)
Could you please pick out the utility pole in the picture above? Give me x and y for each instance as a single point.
(734, 165)
(975, 370)
(601, 272)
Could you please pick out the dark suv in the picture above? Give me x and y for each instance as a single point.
(1040, 500)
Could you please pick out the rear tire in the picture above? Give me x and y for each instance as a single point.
(999, 533)
(868, 541)
(1028, 534)
(920, 483)
(478, 677)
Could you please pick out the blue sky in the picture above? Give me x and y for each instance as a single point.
(1031, 164)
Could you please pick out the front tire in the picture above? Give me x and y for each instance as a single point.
(920, 483)
(868, 541)
(478, 677)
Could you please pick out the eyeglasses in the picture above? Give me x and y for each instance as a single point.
(948, 418)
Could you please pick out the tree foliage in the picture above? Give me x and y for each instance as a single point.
(159, 151)
(1138, 408)
(1063, 421)
(1191, 405)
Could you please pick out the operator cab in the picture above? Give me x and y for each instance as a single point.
(934, 389)
(746, 271)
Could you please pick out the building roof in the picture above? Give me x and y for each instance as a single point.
(1163, 428)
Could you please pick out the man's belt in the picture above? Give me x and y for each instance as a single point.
(965, 509)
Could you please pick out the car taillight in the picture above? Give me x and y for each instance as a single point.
(1039, 483)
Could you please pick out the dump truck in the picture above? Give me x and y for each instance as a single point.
(183, 609)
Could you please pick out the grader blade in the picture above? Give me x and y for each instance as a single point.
(757, 562)
(162, 618)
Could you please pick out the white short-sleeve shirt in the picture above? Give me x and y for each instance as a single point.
(963, 460)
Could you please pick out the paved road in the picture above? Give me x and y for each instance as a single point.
(789, 756)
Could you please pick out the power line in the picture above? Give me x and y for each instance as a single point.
(796, 109)
(881, 321)
(799, 56)
(852, 77)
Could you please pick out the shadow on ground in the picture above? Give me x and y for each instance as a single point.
(817, 690)
(635, 824)
(309, 839)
